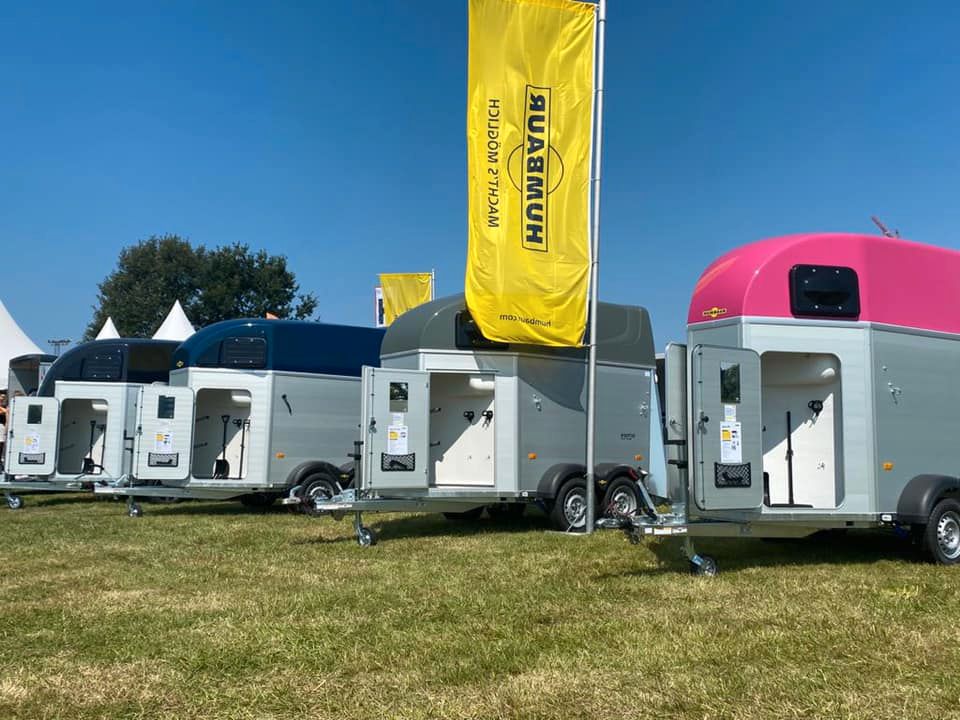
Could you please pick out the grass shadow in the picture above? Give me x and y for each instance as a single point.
(860, 547)
(425, 525)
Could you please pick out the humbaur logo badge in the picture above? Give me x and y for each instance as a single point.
(714, 312)
(536, 169)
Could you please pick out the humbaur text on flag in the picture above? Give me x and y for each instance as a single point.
(529, 130)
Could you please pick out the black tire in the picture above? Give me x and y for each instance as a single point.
(258, 501)
(471, 515)
(706, 568)
(506, 512)
(317, 486)
(568, 512)
(622, 498)
(941, 538)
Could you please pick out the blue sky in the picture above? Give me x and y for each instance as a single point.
(334, 133)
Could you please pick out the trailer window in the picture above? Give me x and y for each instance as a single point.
(245, 352)
(730, 383)
(34, 414)
(165, 407)
(399, 397)
(469, 337)
(149, 363)
(824, 291)
(103, 365)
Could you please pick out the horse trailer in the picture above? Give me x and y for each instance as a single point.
(455, 423)
(78, 430)
(254, 407)
(815, 392)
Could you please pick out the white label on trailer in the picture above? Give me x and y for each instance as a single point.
(31, 442)
(730, 413)
(163, 441)
(731, 450)
(397, 419)
(397, 440)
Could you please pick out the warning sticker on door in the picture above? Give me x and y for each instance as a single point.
(730, 413)
(397, 440)
(31, 442)
(731, 451)
(163, 441)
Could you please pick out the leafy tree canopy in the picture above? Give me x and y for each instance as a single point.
(212, 285)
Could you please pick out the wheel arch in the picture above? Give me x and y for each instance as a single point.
(604, 474)
(919, 496)
(304, 470)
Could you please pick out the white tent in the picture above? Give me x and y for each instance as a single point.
(13, 343)
(176, 326)
(108, 331)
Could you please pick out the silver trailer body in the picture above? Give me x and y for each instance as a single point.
(816, 391)
(253, 408)
(259, 425)
(80, 429)
(453, 422)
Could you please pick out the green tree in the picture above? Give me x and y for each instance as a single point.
(212, 285)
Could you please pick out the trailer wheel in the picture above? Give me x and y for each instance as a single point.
(942, 535)
(14, 502)
(569, 509)
(707, 567)
(622, 498)
(366, 537)
(470, 515)
(316, 487)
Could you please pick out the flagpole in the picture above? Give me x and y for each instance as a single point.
(594, 271)
(433, 284)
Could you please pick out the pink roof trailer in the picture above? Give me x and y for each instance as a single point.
(817, 390)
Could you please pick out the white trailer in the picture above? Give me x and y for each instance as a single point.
(254, 408)
(78, 430)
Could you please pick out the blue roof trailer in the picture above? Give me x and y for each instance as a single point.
(78, 426)
(255, 408)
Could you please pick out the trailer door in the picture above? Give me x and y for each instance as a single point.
(32, 436)
(164, 436)
(396, 422)
(726, 427)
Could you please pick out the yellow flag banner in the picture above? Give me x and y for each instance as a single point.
(529, 126)
(403, 291)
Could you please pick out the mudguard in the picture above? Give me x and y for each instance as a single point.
(303, 470)
(921, 494)
(558, 474)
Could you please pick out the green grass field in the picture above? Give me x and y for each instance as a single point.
(203, 610)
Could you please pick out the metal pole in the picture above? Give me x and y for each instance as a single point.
(594, 268)
(433, 284)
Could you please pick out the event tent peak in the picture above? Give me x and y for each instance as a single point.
(108, 331)
(13, 342)
(176, 326)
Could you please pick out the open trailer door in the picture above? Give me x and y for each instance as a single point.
(32, 437)
(726, 426)
(164, 435)
(396, 422)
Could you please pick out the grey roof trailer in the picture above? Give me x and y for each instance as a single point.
(455, 423)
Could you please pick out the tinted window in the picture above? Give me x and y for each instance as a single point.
(244, 352)
(824, 291)
(166, 405)
(730, 383)
(34, 414)
(149, 363)
(103, 365)
(469, 337)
